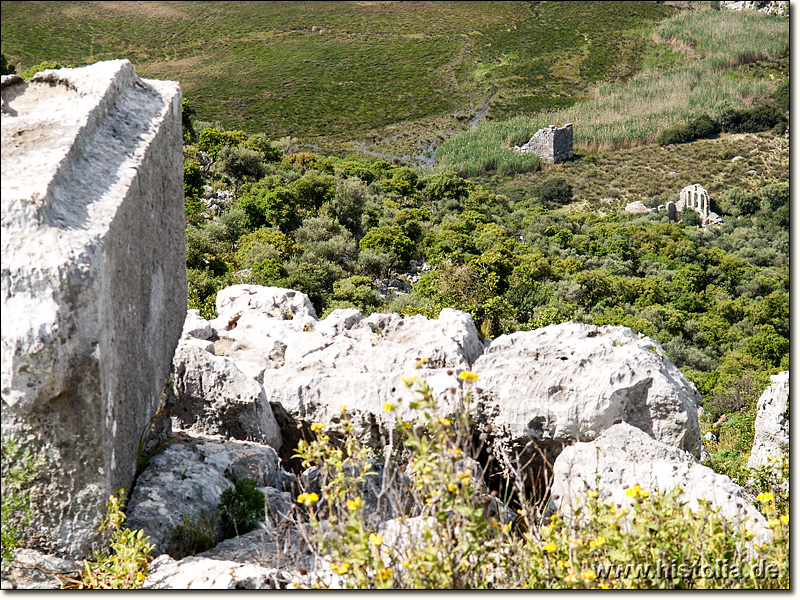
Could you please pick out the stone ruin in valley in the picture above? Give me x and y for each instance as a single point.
(553, 144)
(694, 197)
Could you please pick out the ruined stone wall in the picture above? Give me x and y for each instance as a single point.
(93, 281)
(553, 144)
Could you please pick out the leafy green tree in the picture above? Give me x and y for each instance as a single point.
(313, 189)
(259, 142)
(404, 182)
(356, 291)
(6, 68)
(555, 190)
(241, 164)
(690, 218)
(270, 272)
(266, 206)
(448, 186)
(391, 239)
(187, 116)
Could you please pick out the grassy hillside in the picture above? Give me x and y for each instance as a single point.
(342, 71)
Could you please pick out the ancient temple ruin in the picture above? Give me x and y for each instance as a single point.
(553, 144)
(696, 197)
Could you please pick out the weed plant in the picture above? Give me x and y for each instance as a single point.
(124, 565)
(449, 534)
(19, 466)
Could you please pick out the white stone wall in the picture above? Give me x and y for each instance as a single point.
(93, 281)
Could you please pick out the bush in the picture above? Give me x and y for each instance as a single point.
(187, 114)
(42, 66)
(19, 471)
(674, 135)
(261, 144)
(781, 96)
(690, 218)
(241, 508)
(6, 68)
(390, 239)
(241, 164)
(555, 190)
(703, 127)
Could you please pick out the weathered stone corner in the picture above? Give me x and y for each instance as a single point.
(93, 281)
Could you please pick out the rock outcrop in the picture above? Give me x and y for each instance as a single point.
(183, 484)
(570, 382)
(772, 423)
(624, 456)
(554, 386)
(93, 281)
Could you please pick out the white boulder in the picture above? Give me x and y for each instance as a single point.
(772, 422)
(624, 456)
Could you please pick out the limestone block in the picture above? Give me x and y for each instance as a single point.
(209, 394)
(93, 281)
(570, 382)
(625, 456)
(772, 422)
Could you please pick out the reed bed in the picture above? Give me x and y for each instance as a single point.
(625, 114)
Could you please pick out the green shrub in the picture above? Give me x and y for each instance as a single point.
(241, 164)
(391, 239)
(555, 190)
(19, 468)
(260, 143)
(6, 68)
(268, 272)
(194, 535)
(781, 96)
(703, 127)
(42, 66)
(126, 563)
(674, 135)
(241, 508)
(187, 115)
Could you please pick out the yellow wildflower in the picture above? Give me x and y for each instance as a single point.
(317, 427)
(353, 504)
(452, 487)
(445, 422)
(465, 375)
(636, 492)
(308, 499)
(340, 569)
(388, 406)
(409, 381)
(592, 494)
(765, 497)
(772, 523)
(551, 547)
(588, 575)
(784, 518)
(597, 543)
(375, 539)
